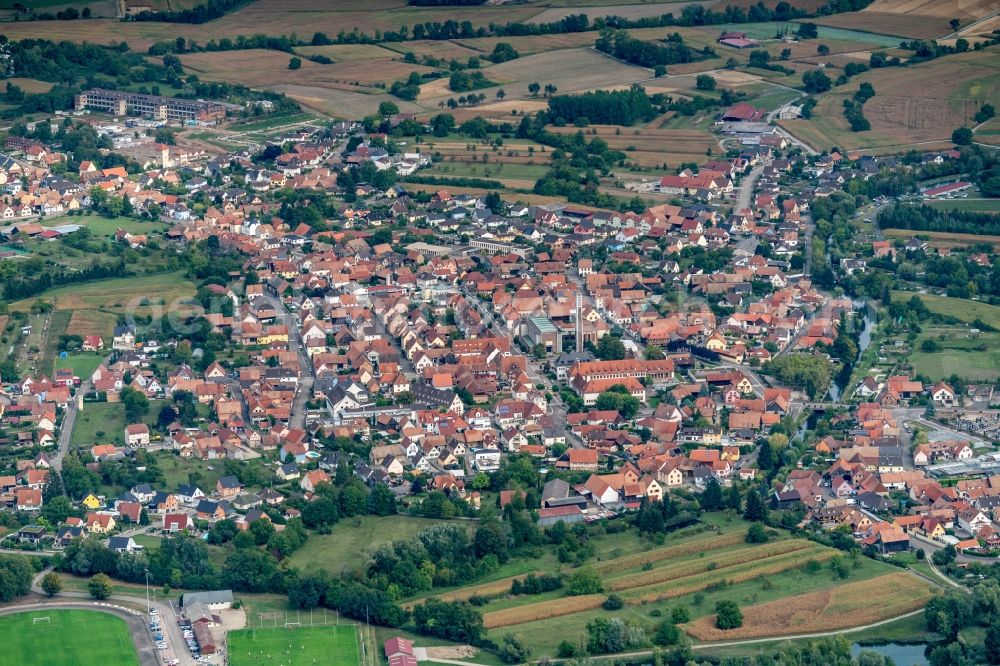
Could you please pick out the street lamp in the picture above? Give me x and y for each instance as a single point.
(147, 592)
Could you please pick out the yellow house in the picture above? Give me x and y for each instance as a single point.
(100, 523)
(716, 343)
(672, 478)
(273, 334)
(91, 502)
(744, 386)
(712, 436)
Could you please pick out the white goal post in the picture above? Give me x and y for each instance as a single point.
(46, 620)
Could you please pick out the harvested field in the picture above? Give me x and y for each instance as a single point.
(280, 17)
(840, 607)
(259, 67)
(349, 52)
(917, 104)
(947, 9)
(542, 610)
(569, 69)
(531, 44)
(33, 86)
(438, 49)
(809, 5)
(348, 104)
(635, 11)
(910, 26)
(650, 147)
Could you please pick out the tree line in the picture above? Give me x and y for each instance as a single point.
(670, 51)
(925, 218)
(203, 13)
(691, 15)
(611, 107)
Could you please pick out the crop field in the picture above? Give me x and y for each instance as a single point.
(92, 322)
(294, 647)
(848, 605)
(918, 104)
(693, 570)
(676, 577)
(97, 638)
(165, 292)
(348, 52)
(649, 147)
(570, 70)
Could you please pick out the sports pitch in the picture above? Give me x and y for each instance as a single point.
(299, 646)
(67, 638)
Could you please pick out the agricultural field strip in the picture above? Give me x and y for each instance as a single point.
(707, 563)
(833, 608)
(675, 588)
(736, 573)
(679, 550)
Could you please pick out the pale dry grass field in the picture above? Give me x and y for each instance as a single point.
(842, 607)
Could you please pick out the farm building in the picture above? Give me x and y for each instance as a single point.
(743, 112)
(737, 40)
(948, 188)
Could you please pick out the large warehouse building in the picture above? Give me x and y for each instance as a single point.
(124, 103)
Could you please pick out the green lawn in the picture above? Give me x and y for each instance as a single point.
(302, 645)
(104, 423)
(973, 358)
(492, 169)
(176, 470)
(82, 364)
(69, 637)
(104, 226)
(958, 308)
(353, 537)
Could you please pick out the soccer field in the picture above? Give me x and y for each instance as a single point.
(67, 638)
(300, 646)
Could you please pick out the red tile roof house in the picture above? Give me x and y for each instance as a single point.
(176, 522)
(399, 652)
(137, 434)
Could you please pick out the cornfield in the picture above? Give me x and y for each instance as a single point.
(690, 567)
(680, 550)
(542, 610)
(734, 574)
(841, 607)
